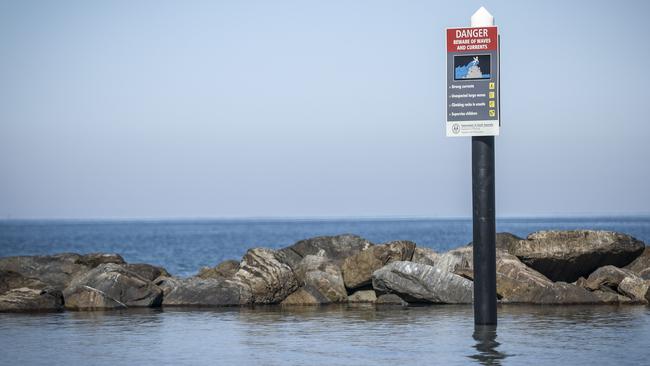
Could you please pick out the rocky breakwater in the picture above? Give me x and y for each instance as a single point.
(550, 267)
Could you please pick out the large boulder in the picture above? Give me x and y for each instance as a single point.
(225, 269)
(110, 286)
(568, 255)
(357, 269)
(56, 270)
(19, 293)
(195, 291)
(562, 293)
(416, 282)
(336, 248)
(269, 280)
(322, 277)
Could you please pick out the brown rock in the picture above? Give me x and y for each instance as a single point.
(357, 269)
(425, 256)
(195, 291)
(225, 269)
(635, 288)
(641, 264)
(305, 295)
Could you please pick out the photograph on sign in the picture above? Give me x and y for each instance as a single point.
(472, 67)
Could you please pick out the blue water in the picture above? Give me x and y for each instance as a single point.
(184, 246)
(328, 335)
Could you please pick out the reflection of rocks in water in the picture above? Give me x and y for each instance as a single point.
(486, 345)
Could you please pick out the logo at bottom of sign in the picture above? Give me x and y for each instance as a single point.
(455, 128)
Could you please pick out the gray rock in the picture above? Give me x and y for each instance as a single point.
(29, 299)
(358, 268)
(516, 282)
(147, 271)
(195, 291)
(269, 280)
(606, 276)
(19, 293)
(336, 248)
(456, 260)
(363, 296)
(635, 288)
(561, 293)
(225, 269)
(110, 286)
(425, 256)
(641, 264)
(390, 299)
(416, 282)
(504, 241)
(568, 255)
(323, 277)
(56, 270)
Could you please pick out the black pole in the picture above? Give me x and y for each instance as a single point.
(484, 231)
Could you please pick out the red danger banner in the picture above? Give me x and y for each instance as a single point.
(472, 39)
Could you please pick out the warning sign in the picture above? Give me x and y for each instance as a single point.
(472, 81)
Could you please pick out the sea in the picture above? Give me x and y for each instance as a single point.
(326, 335)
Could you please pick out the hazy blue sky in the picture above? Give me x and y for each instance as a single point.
(126, 109)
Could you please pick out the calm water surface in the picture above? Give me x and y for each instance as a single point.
(332, 335)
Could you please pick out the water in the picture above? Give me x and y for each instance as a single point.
(328, 335)
(332, 335)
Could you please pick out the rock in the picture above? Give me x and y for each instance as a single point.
(365, 296)
(516, 282)
(336, 248)
(305, 295)
(20, 293)
(269, 280)
(635, 288)
(456, 260)
(568, 255)
(225, 269)
(641, 264)
(425, 256)
(56, 270)
(562, 293)
(390, 299)
(322, 277)
(357, 269)
(110, 286)
(606, 276)
(195, 291)
(93, 260)
(147, 271)
(416, 282)
(645, 274)
(30, 299)
(504, 241)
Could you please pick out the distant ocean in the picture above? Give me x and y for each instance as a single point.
(183, 246)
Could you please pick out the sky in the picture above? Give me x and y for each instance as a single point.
(230, 109)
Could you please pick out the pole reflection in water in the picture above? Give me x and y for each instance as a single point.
(486, 345)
